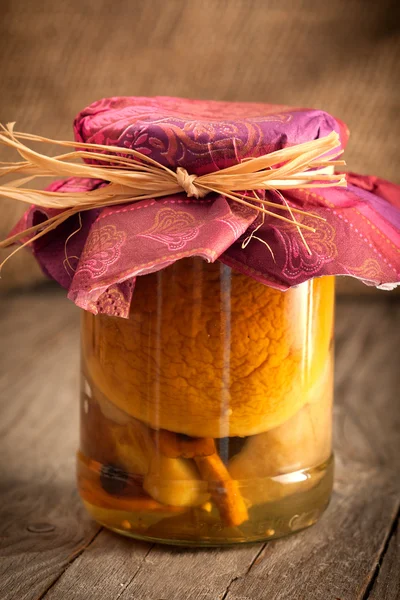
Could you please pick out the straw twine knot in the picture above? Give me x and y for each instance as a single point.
(186, 182)
(137, 177)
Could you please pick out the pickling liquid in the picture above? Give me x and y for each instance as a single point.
(206, 416)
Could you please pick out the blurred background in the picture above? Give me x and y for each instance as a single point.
(342, 56)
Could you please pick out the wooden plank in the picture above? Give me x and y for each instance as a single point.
(42, 523)
(338, 558)
(387, 583)
(40, 332)
(335, 559)
(113, 568)
(103, 571)
(329, 557)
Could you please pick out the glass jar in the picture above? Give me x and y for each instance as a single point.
(206, 416)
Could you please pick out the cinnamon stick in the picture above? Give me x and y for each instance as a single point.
(223, 489)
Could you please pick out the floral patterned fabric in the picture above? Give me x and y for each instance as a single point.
(358, 236)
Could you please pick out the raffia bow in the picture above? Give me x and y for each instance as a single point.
(135, 176)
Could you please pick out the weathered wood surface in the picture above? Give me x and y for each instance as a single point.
(38, 429)
(51, 550)
(387, 585)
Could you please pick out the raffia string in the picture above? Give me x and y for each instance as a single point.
(135, 176)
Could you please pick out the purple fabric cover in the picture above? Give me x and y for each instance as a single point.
(359, 237)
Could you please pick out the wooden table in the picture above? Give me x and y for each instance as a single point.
(50, 549)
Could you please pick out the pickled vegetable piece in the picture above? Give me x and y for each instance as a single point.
(175, 481)
(224, 490)
(173, 370)
(301, 442)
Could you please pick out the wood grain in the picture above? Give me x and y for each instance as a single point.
(50, 550)
(387, 583)
(104, 570)
(159, 573)
(42, 523)
(335, 559)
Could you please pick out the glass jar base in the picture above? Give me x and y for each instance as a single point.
(300, 499)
